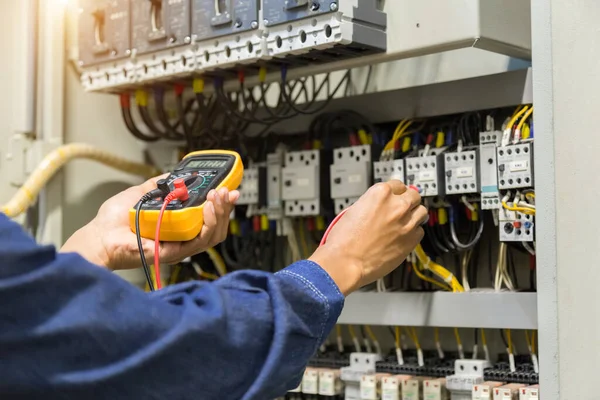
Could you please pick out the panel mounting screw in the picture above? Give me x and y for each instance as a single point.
(253, 24)
(333, 6)
(266, 22)
(314, 6)
(187, 39)
(238, 23)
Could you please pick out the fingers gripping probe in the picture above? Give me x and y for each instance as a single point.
(341, 214)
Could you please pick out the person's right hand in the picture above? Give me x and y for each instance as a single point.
(374, 236)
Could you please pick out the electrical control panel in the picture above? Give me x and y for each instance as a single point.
(515, 166)
(104, 31)
(214, 18)
(305, 178)
(427, 174)
(488, 169)
(462, 172)
(515, 226)
(157, 25)
(383, 171)
(351, 175)
(252, 189)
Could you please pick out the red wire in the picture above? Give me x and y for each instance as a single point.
(168, 199)
(330, 227)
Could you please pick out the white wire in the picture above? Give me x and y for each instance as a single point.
(529, 248)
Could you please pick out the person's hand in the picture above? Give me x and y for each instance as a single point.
(108, 240)
(373, 237)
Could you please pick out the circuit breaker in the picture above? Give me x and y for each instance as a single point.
(226, 33)
(427, 174)
(305, 179)
(104, 31)
(383, 171)
(462, 172)
(159, 24)
(488, 143)
(351, 175)
(515, 166)
(515, 226)
(252, 189)
(323, 30)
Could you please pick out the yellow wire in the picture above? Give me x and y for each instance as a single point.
(436, 334)
(218, 261)
(412, 334)
(524, 210)
(338, 330)
(352, 334)
(530, 195)
(438, 270)
(527, 338)
(397, 336)
(457, 336)
(416, 338)
(370, 333)
(483, 340)
(508, 339)
(527, 114)
(398, 133)
(533, 337)
(428, 279)
(174, 274)
(516, 116)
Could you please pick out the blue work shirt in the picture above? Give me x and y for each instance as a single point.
(72, 330)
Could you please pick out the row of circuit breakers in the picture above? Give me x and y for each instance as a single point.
(309, 182)
(125, 43)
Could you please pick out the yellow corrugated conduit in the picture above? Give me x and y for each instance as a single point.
(54, 161)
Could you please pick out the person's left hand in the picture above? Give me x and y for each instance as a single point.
(108, 240)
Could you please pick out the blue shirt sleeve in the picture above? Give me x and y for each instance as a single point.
(70, 329)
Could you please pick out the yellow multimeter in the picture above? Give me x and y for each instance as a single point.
(201, 171)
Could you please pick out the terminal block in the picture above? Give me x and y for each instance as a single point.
(427, 174)
(488, 170)
(370, 386)
(515, 226)
(158, 25)
(305, 180)
(104, 31)
(351, 175)
(383, 171)
(319, 30)
(462, 172)
(253, 189)
(515, 166)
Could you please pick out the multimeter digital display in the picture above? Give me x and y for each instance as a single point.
(201, 171)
